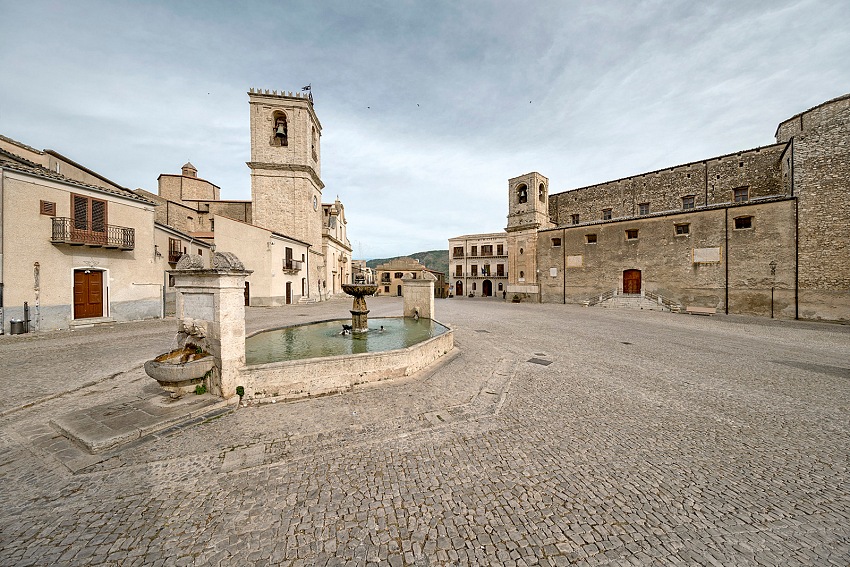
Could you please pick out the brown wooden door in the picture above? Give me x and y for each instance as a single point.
(486, 288)
(459, 288)
(247, 294)
(289, 293)
(631, 281)
(88, 294)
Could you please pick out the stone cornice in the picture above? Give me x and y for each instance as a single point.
(288, 167)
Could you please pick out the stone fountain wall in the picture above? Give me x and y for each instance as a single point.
(419, 295)
(211, 313)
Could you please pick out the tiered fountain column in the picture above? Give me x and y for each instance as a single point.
(359, 312)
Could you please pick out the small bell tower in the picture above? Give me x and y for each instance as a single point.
(528, 212)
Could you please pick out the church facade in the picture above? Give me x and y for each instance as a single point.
(764, 231)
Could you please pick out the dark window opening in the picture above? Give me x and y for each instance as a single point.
(574, 219)
(606, 214)
(743, 222)
(741, 194)
(590, 238)
(688, 202)
(522, 193)
(556, 242)
(682, 229)
(643, 208)
(631, 234)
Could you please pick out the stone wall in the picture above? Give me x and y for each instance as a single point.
(820, 155)
(710, 182)
(666, 260)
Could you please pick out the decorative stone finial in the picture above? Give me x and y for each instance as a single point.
(226, 261)
(190, 262)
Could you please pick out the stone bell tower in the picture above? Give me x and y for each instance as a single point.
(528, 212)
(286, 184)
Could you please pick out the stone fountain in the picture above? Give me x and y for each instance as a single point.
(359, 319)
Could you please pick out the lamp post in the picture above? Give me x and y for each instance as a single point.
(772, 284)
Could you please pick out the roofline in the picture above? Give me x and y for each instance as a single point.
(799, 114)
(167, 228)
(706, 160)
(21, 144)
(129, 194)
(187, 177)
(660, 214)
(84, 168)
(281, 235)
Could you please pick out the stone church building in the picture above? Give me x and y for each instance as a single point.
(764, 231)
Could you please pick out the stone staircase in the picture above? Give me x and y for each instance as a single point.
(646, 300)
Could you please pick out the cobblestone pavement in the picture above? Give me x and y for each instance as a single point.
(555, 435)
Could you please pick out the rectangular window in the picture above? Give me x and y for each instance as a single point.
(398, 275)
(500, 270)
(89, 214)
(487, 250)
(643, 208)
(743, 222)
(474, 270)
(200, 252)
(574, 219)
(688, 202)
(458, 270)
(175, 250)
(606, 214)
(386, 289)
(457, 252)
(474, 251)
(500, 249)
(590, 238)
(47, 208)
(741, 194)
(485, 270)
(556, 242)
(632, 234)
(683, 229)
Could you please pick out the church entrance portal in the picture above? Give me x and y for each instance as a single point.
(631, 281)
(487, 288)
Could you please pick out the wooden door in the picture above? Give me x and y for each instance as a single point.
(399, 290)
(88, 294)
(459, 288)
(486, 288)
(289, 293)
(631, 281)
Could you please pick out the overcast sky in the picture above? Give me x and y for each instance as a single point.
(427, 108)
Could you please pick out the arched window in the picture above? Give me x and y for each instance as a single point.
(541, 193)
(280, 129)
(522, 193)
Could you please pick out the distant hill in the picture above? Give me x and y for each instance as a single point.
(437, 260)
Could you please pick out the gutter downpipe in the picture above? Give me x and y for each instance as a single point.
(564, 263)
(2, 257)
(796, 234)
(726, 260)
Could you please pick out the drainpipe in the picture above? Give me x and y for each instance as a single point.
(726, 261)
(2, 209)
(796, 234)
(564, 264)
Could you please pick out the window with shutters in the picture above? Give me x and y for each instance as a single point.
(89, 220)
(175, 250)
(48, 208)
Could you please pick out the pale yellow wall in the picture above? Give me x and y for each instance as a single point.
(131, 281)
(263, 252)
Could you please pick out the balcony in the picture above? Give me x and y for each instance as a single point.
(95, 235)
(291, 266)
(174, 257)
(479, 275)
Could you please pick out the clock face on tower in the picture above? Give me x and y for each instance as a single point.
(315, 203)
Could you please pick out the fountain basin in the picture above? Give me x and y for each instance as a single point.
(319, 375)
(179, 377)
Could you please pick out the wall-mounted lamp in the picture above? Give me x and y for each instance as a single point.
(156, 252)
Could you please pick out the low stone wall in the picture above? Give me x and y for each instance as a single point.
(295, 379)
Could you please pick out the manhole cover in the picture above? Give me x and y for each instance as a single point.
(540, 361)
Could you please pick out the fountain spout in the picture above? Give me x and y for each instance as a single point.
(359, 312)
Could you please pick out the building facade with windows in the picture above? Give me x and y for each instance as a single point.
(764, 231)
(478, 265)
(390, 276)
(74, 251)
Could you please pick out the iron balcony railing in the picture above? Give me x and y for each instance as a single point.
(480, 275)
(174, 257)
(83, 233)
(291, 265)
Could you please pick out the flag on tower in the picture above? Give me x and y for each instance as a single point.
(307, 88)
